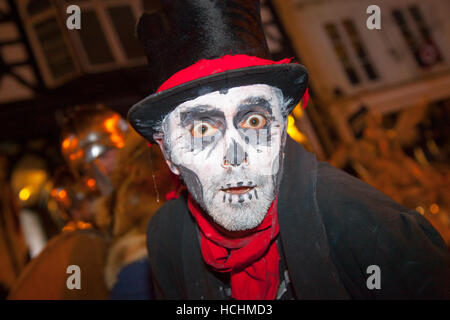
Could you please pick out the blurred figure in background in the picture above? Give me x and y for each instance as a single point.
(70, 203)
(13, 249)
(114, 183)
(28, 178)
(130, 181)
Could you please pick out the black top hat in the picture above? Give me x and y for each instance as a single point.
(184, 32)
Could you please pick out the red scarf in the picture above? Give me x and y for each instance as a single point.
(253, 260)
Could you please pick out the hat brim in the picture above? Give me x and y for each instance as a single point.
(291, 78)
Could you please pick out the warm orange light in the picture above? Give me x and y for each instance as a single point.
(111, 122)
(66, 143)
(111, 126)
(24, 194)
(74, 225)
(293, 132)
(69, 143)
(76, 155)
(69, 227)
(83, 225)
(117, 140)
(91, 183)
(298, 111)
(120, 144)
(420, 210)
(62, 194)
(434, 208)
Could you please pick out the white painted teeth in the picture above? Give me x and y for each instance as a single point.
(237, 185)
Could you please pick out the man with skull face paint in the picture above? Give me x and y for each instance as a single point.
(227, 147)
(261, 218)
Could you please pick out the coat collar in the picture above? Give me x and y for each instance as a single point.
(302, 231)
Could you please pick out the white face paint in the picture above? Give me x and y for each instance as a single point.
(228, 146)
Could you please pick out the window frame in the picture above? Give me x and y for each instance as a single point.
(100, 8)
(29, 23)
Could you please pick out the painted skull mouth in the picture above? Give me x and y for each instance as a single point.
(237, 190)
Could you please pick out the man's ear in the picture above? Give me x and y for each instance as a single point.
(159, 139)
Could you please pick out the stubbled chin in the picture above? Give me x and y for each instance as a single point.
(239, 217)
(236, 216)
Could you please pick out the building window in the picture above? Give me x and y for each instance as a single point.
(124, 24)
(94, 40)
(360, 49)
(428, 51)
(351, 52)
(50, 44)
(107, 37)
(342, 53)
(54, 48)
(421, 44)
(36, 6)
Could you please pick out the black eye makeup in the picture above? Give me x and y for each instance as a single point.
(202, 121)
(254, 113)
(201, 113)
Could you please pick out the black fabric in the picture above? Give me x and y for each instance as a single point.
(185, 31)
(332, 227)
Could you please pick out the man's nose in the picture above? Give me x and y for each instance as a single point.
(234, 155)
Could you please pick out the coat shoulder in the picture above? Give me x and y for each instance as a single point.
(163, 227)
(164, 241)
(366, 227)
(351, 200)
(351, 204)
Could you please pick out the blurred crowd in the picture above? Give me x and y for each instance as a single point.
(100, 201)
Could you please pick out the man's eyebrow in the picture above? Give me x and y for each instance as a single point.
(251, 103)
(200, 111)
(254, 100)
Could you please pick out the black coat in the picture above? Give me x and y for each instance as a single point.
(332, 227)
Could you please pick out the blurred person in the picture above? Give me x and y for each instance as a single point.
(79, 244)
(69, 202)
(28, 177)
(262, 218)
(13, 249)
(129, 179)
